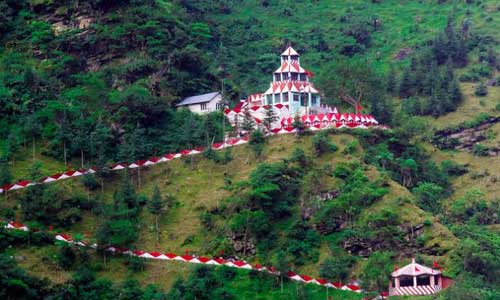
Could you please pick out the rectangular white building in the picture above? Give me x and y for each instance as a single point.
(203, 104)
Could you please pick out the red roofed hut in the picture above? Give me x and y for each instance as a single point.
(415, 279)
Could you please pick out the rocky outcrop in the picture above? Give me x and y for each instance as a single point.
(309, 208)
(241, 244)
(406, 245)
(464, 139)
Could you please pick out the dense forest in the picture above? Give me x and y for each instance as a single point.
(89, 83)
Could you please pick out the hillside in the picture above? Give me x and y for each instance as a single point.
(91, 83)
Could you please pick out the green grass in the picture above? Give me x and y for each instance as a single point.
(197, 184)
(41, 262)
(405, 23)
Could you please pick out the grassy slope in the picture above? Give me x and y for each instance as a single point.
(198, 186)
(405, 23)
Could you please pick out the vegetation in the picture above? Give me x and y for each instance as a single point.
(87, 83)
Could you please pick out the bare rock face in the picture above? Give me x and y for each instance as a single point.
(240, 245)
(309, 207)
(403, 53)
(365, 247)
(464, 139)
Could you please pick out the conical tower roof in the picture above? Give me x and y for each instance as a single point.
(289, 51)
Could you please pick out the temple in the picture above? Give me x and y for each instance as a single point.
(291, 95)
(291, 86)
(416, 279)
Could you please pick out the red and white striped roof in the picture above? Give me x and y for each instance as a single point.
(255, 99)
(289, 51)
(292, 66)
(291, 86)
(414, 269)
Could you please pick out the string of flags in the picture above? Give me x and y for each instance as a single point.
(310, 120)
(215, 261)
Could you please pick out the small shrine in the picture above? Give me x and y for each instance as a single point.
(416, 279)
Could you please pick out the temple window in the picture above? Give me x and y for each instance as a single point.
(285, 97)
(295, 76)
(285, 76)
(277, 98)
(294, 57)
(296, 97)
(313, 100)
(406, 281)
(303, 77)
(423, 280)
(277, 77)
(269, 99)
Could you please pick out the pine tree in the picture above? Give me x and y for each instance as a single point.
(248, 122)
(454, 93)
(5, 174)
(433, 105)
(460, 58)
(391, 81)
(297, 124)
(440, 49)
(481, 90)
(406, 85)
(155, 207)
(270, 117)
(491, 57)
(100, 141)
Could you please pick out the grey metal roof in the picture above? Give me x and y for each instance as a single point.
(198, 99)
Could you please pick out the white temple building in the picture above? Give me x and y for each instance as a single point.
(291, 86)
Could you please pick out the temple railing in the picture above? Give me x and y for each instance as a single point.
(414, 290)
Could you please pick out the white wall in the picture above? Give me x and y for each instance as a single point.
(211, 106)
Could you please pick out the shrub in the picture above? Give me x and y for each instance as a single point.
(337, 267)
(66, 258)
(481, 90)
(322, 145)
(452, 168)
(480, 150)
(469, 77)
(90, 182)
(256, 142)
(136, 264)
(351, 147)
(300, 157)
(474, 209)
(428, 196)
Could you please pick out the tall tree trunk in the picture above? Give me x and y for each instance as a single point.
(34, 147)
(157, 229)
(81, 156)
(139, 176)
(64, 153)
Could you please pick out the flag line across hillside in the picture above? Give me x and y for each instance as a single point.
(164, 158)
(219, 261)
